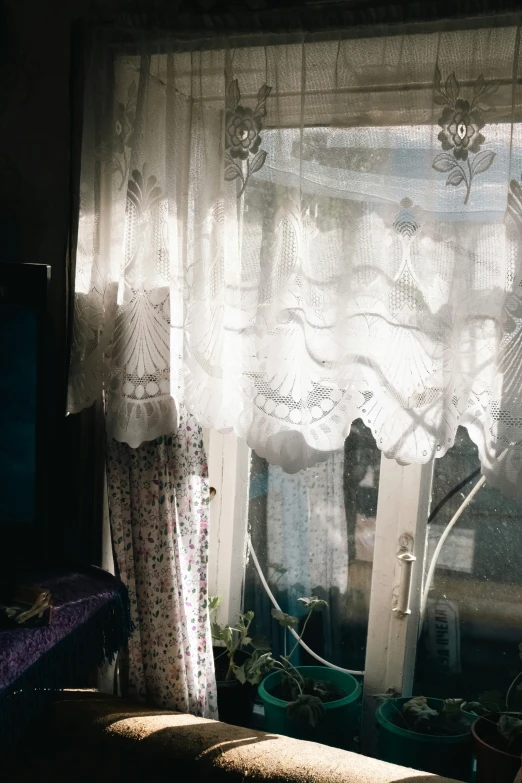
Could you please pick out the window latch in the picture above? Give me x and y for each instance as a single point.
(406, 559)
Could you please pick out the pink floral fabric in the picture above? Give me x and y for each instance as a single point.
(158, 502)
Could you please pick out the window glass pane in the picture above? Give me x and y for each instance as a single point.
(473, 622)
(313, 533)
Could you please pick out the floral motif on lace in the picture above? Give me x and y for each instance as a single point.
(242, 135)
(115, 151)
(461, 124)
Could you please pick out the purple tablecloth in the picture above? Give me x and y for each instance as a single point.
(77, 597)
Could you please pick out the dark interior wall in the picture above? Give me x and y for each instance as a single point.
(34, 132)
(35, 203)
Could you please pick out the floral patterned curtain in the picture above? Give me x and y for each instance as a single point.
(288, 235)
(158, 502)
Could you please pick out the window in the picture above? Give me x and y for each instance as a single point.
(336, 530)
(345, 529)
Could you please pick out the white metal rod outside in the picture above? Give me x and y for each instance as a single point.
(296, 636)
(451, 524)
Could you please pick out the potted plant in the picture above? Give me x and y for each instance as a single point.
(309, 702)
(426, 734)
(240, 661)
(497, 736)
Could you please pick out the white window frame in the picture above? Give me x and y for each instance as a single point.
(401, 527)
(229, 474)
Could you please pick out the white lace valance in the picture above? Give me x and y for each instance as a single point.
(293, 236)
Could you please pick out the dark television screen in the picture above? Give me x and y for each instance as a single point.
(18, 394)
(23, 291)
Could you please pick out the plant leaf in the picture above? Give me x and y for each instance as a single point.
(214, 601)
(216, 631)
(260, 643)
(233, 95)
(418, 706)
(286, 620)
(252, 673)
(312, 603)
(453, 707)
(256, 666)
(306, 710)
(132, 90)
(452, 87)
(455, 178)
(482, 161)
(263, 660)
(444, 162)
(239, 671)
(258, 161)
(441, 99)
(227, 636)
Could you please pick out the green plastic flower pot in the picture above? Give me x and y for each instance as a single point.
(446, 756)
(339, 725)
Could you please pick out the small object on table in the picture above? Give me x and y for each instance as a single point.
(30, 607)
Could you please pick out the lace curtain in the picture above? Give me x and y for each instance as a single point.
(292, 234)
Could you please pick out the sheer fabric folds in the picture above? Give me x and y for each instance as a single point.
(292, 235)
